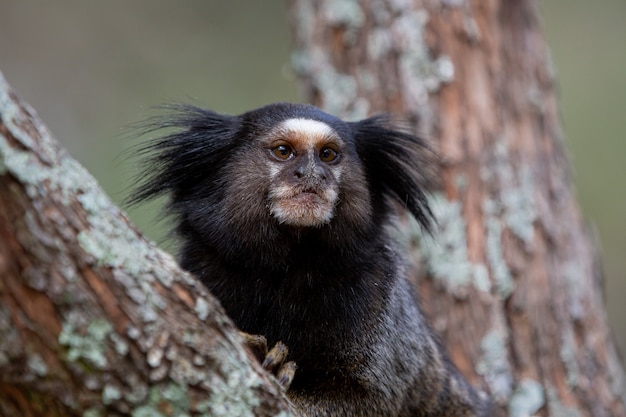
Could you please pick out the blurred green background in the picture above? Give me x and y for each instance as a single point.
(92, 68)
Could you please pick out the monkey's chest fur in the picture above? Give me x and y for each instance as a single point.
(318, 302)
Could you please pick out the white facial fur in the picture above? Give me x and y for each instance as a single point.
(311, 129)
(289, 204)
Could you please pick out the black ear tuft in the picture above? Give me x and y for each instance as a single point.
(192, 153)
(399, 165)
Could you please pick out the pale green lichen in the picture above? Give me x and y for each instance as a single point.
(460, 181)
(177, 395)
(113, 244)
(151, 410)
(119, 344)
(198, 360)
(446, 255)
(89, 346)
(575, 272)
(166, 278)
(37, 365)
(453, 3)
(346, 13)
(527, 398)
(138, 389)
(379, 43)
(499, 269)
(20, 164)
(93, 412)
(568, 356)
(519, 206)
(617, 378)
(133, 332)
(235, 398)
(171, 397)
(110, 241)
(9, 337)
(516, 192)
(494, 364)
(303, 13)
(12, 116)
(202, 308)
(513, 208)
(420, 73)
(444, 69)
(232, 386)
(110, 394)
(339, 91)
(182, 371)
(154, 356)
(556, 408)
(471, 28)
(93, 382)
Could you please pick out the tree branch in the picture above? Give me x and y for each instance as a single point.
(94, 319)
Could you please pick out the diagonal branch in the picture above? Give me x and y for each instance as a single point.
(94, 319)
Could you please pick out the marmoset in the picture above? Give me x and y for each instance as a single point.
(283, 213)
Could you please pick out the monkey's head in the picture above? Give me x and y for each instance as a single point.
(296, 167)
(243, 184)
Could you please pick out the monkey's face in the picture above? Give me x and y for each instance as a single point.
(238, 182)
(304, 160)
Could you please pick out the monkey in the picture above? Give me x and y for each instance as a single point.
(283, 212)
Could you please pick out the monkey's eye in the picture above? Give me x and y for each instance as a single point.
(282, 152)
(328, 155)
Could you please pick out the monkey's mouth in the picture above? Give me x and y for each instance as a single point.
(308, 199)
(306, 206)
(307, 193)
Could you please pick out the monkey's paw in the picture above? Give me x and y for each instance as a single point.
(272, 360)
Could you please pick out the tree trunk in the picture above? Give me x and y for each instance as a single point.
(511, 281)
(94, 320)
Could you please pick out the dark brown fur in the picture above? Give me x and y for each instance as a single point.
(335, 293)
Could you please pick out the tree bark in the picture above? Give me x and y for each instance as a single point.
(95, 320)
(511, 281)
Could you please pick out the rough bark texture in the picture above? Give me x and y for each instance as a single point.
(511, 281)
(94, 320)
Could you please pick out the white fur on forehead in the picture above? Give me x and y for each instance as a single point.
(307, 127)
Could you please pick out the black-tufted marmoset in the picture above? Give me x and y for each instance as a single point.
(283, 213)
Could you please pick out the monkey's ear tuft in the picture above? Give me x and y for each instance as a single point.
(193, 148)
(399, 165)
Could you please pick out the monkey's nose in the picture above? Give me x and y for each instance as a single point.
(317, 173)
(320, 173)
(299, 172)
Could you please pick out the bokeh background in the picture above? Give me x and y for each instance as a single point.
(92, 68)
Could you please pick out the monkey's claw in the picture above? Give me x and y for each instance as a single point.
(272, 360)
(275, 357)
(285, 374)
